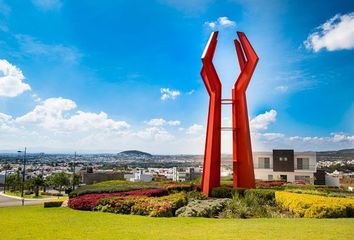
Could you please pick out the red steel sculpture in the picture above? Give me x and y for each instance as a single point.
(243, 174)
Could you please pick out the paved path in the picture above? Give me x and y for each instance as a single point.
(7, 201)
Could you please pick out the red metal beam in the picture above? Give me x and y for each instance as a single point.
(242, 148)
(212, 155)
(243, 174)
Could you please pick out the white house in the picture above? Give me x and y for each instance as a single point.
(138, 176)
(286, 165)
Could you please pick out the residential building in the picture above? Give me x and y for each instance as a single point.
(138, 175)
(285, 165)
(185, 174)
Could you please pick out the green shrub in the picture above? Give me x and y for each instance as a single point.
(195, 195)
(227, 192)
(203, 208)
(53, 204)
(254, 204)
(266, 196)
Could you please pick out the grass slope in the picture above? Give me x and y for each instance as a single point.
(35, 222)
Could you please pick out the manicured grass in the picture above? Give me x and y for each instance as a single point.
(18, 194)
(35, 222)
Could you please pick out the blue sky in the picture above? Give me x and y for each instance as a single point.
(106, 76)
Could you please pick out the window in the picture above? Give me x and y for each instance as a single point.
(264, 162)
(302, 163)
(284, 178)
(270, 177)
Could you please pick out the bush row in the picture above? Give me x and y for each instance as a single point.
(89, 201)
(228, 192)
(53, 204)
(312, 206)
(110, 189)
(149, 206)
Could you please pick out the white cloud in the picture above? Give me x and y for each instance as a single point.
(269, 141)
(335, 34)
(11, 80)
(161, 122)
(167, 93)
(154, 133)
(156, 122)
(191, 92)
(262, 121)
(174, 123)
(195, 129)
(47, 4)
(282, 89)
(36, 98)
(53, 114)
(32, 46)
(221, 22)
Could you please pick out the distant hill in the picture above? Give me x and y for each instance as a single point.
(344, 154)
(134, 153)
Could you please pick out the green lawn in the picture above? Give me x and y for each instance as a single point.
(36, 222)
(18, 194)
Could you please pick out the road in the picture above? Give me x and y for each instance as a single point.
(7, 201)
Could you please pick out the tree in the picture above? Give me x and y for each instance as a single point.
(37, 183)
(59, 180)
(13, 181)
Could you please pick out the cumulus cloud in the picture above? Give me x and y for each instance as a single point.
(154, 133)
(195, 129)
(11, 80)
(47, 4)
(167, 93)
(156, 122)
(53, 114)
(262, 121)
(221, 22)
(174, 123)
(161, 122)
(335, 34)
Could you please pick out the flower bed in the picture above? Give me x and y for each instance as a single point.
(89, 201)
(267, 184)
(140, 205)
(314, 206)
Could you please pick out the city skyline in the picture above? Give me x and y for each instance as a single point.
(130, 78)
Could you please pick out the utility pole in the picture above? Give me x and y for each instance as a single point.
(74, 171)
(23, 173)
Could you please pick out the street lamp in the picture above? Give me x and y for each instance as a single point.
(74, 171)
(23, 172)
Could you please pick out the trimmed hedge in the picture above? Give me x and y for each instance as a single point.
(172, 188)
(226, 192)
(110, 189)
(53, 204)
(313, 206)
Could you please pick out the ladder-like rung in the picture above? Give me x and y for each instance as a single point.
(227, 101)
(227, 129)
